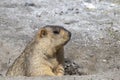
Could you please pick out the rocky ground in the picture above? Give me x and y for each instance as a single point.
(93, 52)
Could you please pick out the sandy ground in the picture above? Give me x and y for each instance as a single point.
(95, 28)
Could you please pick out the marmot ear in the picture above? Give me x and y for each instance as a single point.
(43, 33)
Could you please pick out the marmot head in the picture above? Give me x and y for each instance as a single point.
(53, 36)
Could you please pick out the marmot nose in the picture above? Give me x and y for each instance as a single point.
(56, 30)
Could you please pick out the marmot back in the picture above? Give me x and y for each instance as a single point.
(44, 55)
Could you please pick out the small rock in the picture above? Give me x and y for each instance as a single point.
(71, 68)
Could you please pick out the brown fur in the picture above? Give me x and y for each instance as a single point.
(44, 55)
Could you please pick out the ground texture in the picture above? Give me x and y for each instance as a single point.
(94, 50)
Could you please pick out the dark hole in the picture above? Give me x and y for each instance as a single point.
(55, 32)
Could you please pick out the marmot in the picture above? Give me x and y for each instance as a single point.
(44, 55)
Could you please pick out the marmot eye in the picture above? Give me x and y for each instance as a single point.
(55, 32)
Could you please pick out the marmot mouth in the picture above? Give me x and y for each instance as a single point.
(66, 42)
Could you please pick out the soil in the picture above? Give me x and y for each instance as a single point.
(93, 52)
